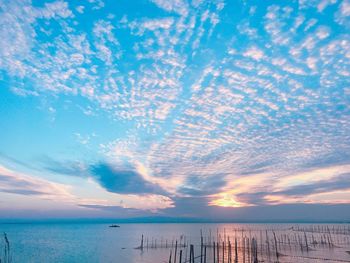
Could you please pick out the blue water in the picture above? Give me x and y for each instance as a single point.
(97, 242)
(92, 242)
(81, 242)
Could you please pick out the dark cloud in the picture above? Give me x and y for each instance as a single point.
(250, 172)
(189, 207)
(122, 181)
(257, 167)
(339, 157)
(256, 198)
(18, 186)
(340, 182)
(199, 186)
(66, 168)
(22, 191)
(16, 182)
(198, 207)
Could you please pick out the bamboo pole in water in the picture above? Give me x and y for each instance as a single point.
(217, 252)
(229, 252)
(236, 251)
(201, 246)
(306, 243)
(170, 256)
(223, 252)
(175, 251)
(276, 249)
(191, 254)
(214, 252)
(243, 250)
(248, 249)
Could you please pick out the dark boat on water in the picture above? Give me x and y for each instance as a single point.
(114, 226)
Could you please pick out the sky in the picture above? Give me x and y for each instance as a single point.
(226, 110)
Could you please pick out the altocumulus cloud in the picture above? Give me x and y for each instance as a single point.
(209, 101)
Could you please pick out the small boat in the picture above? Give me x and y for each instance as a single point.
(114, 226)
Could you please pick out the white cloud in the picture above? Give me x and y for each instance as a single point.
(80, 9)
(343, 13)
(177, 6)
(153, 24)
(345, 8)
(322, 32)
(324, 3)
(254, 53)
(97, 4)
(54, 9)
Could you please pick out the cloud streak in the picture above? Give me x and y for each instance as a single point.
(22, 184)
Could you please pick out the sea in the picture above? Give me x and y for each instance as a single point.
(99, 242)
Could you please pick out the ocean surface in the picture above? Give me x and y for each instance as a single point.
(97, 242)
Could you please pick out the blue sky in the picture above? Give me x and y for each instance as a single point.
(175, 108)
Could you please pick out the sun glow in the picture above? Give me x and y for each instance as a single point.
(227, 200)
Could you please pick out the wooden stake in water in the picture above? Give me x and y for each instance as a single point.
(306, 243)
(243, 250)
(236, 251)
(191, 254)
(175, 252)
(142, 242)
(217, 252)
(201, 247)
(229, 259)
(276, 249)
(214, 252)
(223, 252)
(170, 256)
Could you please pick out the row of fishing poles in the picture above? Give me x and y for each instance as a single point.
(245, 248)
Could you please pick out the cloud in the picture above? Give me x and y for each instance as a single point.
(22, 184)
(55, 9)
(254, 53)
(211, 106)
(122, 181)
(311, 186)
(118, 178)
(177, 6)
(69, 168)
(301, 193)
(117, 210)
(140, 203)
(197, 208)
(341, 182)
(153, 24)
(199, 186)
(345, 8)
(324, 3)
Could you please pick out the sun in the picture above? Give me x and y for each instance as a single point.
(227, 200)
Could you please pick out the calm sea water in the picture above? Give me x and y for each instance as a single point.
(96, 242)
